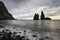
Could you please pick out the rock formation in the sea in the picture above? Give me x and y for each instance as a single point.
(36, 17)
(4, 14)
(47, 18)
(1, 26)
(43, 16)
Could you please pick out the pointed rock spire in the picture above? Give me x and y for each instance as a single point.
(42, 15)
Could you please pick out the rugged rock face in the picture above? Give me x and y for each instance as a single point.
(43, 16)
(36, 17)
(4, 14)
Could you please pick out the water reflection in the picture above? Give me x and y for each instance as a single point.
(42, 26)
(53, 26)
(35, 25)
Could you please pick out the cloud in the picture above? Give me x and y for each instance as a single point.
(33, 3)
(18, 1)
(27, 8)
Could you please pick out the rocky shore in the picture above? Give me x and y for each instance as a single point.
(21, 34)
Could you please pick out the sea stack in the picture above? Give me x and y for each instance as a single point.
(36, 16)
(43, 16)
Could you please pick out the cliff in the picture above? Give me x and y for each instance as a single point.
(4, 14)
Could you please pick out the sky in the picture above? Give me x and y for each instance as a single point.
(25, 9)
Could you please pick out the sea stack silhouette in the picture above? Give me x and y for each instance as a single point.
(43, 16)
(36, 16)
(4, 14)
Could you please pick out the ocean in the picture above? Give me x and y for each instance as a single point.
(41, 28)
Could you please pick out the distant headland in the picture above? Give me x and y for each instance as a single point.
(4, 14)
(42, 17)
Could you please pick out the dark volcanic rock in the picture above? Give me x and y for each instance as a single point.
(1, 26)
(34, 35)
(43, 16)
(41, 39)
(36, 17)
(4, 14)
(47, 37)
(47, 18)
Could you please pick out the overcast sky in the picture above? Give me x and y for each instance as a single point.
(25, 9)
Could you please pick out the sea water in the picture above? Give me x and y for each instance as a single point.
(41, 28)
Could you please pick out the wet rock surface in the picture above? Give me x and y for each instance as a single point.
(21, 34)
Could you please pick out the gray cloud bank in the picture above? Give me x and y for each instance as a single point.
(26, 8)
